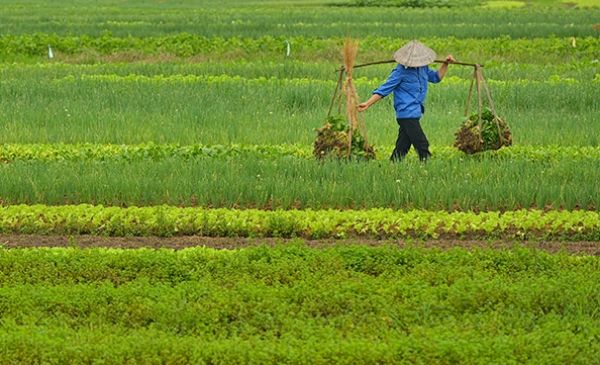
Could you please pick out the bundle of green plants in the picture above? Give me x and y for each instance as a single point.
(332, 141)
(483, 133)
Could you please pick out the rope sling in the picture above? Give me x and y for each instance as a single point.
(480, 81)
(345, 85)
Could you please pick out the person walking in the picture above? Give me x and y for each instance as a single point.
(408, 82)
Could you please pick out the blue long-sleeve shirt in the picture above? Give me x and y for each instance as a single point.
(409, 85)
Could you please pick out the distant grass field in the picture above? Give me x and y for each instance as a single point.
(279, 18)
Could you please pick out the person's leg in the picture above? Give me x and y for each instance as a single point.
(417, 137)
(402, 143)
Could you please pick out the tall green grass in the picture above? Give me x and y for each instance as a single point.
(149, 107)
(296, 305)
(288, 182)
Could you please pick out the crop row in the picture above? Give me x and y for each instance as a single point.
(152, 151)
(552, 80)
(283, 18)
(291, 304)
(185, 45)
(289, 69)
(245, 181)
(47, 106)
(380, 223)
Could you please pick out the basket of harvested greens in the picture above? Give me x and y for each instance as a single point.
(332, 141)
(339, 138)
(483, 130)
(482, 133)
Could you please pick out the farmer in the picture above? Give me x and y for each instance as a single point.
(408, 82)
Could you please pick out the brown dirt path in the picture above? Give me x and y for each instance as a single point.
(86, 241)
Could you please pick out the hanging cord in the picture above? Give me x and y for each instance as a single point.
(491, 102)
(348, 88)
(479, 80)
(478, 77)
(352, 99)
(355, 120)
(336, 93)
(339, 99)
(468, 106)
(349, 101)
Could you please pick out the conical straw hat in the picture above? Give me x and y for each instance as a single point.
(414, 54)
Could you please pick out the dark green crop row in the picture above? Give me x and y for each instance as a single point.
(152, 151)
(296, 305)
(496, 72)
(552, 49)
(379, 223)
(481, 184)
(309, 18)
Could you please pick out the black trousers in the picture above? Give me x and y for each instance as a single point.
(410, 133)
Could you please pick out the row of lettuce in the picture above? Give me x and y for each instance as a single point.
(154, 151)
(314, 224)
(185, 45)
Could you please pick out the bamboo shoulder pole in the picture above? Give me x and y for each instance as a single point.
(393, 61)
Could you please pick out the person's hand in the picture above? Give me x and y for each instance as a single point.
(450, 59)
(362, 107)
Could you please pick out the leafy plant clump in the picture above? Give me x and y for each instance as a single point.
(488, 133)
(332, 141)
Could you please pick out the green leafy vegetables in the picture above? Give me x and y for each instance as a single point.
(482, 133)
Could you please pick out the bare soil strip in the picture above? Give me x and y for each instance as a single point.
(87, 241)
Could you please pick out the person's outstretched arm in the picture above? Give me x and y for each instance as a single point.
(384, 90)
(372, 100)
(442, 71)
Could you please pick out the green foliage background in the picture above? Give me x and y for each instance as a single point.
(193, 109)
(296, 305)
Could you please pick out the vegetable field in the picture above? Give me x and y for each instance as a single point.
(192, 124)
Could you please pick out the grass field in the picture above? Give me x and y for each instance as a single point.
(276, 18)
(190, 104)
(177, 124)
(290, 182)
